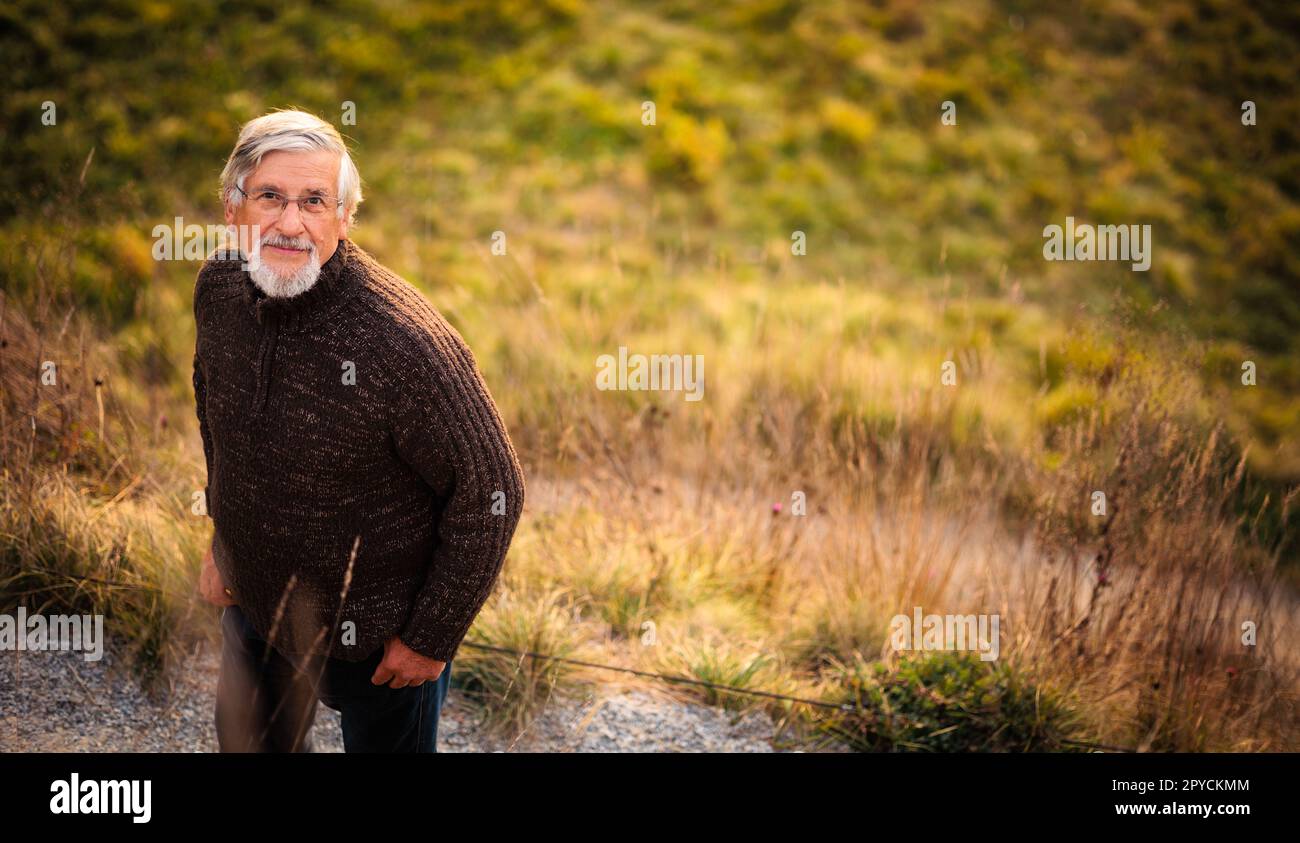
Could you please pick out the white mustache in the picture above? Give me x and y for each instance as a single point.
(289, 243)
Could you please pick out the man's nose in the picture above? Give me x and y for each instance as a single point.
(290, 221)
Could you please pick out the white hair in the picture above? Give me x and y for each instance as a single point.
(282, 131)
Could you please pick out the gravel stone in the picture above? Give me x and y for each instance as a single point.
(59, 702)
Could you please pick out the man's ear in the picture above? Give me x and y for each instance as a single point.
(230, 212)
(346, 222)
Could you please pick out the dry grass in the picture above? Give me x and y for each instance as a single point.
(656, 521)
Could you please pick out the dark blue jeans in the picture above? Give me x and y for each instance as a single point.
(267, 702)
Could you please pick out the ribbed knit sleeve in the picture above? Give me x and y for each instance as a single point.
(448, 429)
(201, 398)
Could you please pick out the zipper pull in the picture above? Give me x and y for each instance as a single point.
(266, 355)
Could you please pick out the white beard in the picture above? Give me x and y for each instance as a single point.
(276, 285)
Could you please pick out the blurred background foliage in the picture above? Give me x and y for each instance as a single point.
(924, 246)
(772, 116)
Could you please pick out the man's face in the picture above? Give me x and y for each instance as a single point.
(288, 238)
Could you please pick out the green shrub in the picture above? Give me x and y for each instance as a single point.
(950, 702)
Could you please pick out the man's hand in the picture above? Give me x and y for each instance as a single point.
(403, 666)
(211, 587)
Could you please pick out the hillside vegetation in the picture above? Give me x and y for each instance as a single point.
(923, 247)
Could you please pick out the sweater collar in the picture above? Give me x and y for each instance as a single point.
(329, 290)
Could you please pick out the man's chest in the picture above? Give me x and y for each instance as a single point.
(294, 406)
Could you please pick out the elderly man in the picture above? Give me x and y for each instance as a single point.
(362, 487)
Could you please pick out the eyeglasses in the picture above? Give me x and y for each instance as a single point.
(269, 203)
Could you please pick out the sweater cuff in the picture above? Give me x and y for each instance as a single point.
(443, 650)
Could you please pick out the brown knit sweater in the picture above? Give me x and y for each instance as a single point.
(351, 410)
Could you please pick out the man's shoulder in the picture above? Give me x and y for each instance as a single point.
(403, 320)
(218, 278)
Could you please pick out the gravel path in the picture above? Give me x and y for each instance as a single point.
(58, 702)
